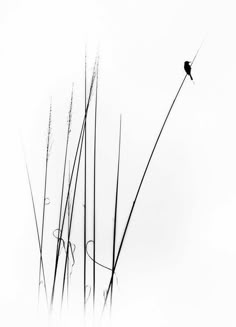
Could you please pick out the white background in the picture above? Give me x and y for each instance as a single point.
(178, 266)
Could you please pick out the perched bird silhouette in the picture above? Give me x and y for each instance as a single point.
(187, 68)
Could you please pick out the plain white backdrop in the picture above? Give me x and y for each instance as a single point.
(178, 264)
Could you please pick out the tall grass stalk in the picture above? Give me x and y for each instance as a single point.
(65, 162)
(85, 182)
(68, 223)
(44, 196)
(115, 218)
(94, 191)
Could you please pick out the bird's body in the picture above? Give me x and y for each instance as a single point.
(187, 68)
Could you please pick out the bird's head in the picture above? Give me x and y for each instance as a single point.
(187, 62)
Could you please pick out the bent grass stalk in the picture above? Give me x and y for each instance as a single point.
(140, 185)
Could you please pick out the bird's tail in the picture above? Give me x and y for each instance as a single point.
(191, 77)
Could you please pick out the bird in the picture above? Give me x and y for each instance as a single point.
(187, 68)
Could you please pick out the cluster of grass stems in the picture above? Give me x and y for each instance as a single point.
(68, 199)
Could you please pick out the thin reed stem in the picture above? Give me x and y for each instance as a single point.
(65, 161)
(85, 180)
(68, 222)
(115, 219)
(94, 192)
(44, 196)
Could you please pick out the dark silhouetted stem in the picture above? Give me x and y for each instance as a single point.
(115, 217)
(94, 193)
(85, 181)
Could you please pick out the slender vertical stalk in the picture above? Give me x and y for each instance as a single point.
(85, 179)
(94, 193)
(44, 197)
(115, 218)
